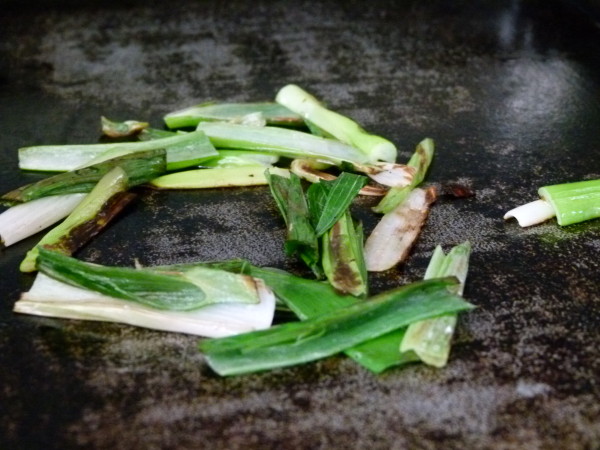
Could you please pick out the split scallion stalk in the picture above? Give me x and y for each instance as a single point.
(420, 161)
(216, 178)
(280, 141)
(273, 114)
(342, 257)
(392, 238)
(569, 202)
(182, 150)
(177, 290)
(431, 339)
(334, 124)
(140, 167)
(331, 333)
(90, 216)
(26, 219)
(52, 298)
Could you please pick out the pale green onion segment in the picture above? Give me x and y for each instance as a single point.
(280, 141)
(51, 298)
(335, 124)
(216, 178)
(431, 339)
(26, 219)
(569, 202)
(272, 113)
(183, 150)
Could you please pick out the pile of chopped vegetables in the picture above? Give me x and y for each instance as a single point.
(315, 162)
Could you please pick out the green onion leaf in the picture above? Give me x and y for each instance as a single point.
(328, 334)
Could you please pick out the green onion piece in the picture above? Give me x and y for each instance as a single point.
(273, 113)
(156, 290)
(280, 141)
(52, 298)
(335, 124)
(140, 168)
(343, 259)
(301, 238)
(216, 178)
(183, 150)
(122, 129)
(237, 158)
(26, 219)
(420, 161)
(431, 339)
(573, 202)
(328, 200)
(326, 335)
(90, 216)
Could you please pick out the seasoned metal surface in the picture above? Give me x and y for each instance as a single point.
(510, 91)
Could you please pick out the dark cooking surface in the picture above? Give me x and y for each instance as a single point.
(510, 91)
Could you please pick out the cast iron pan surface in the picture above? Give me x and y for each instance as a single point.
(510, 91)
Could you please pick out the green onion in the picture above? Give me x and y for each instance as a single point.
(343, 260)
(216, 178)
(273, 114)
(431, 339)
(569, 202)
(392, 238)
(122, 129)
(237, 158)
(328, 334)
(177, 290)
(328, 200)
(52, 298)
(94, 212)
(335, 124)
(280, 141)
(301, 237)
(183, 150)
(420, 161)
(26, 219)
(140, 168)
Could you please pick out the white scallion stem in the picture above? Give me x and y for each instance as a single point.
(531, 213)
(26, 219)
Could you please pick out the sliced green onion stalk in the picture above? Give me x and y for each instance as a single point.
(216, 178)
(392, 238)
(420, 161)
(569, 202)
(182, 290)
(140, 167)
(183, 150)
(90, 216)
(122, 129)
(301, 237)
(343, 260)
(331, 333)
(334, 124)
(431, 339)
(26, 219)
(237, 158)
(52, 298)
(280, 141)
(273, 114)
